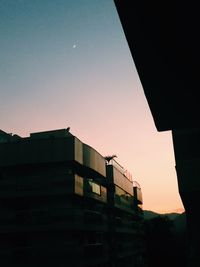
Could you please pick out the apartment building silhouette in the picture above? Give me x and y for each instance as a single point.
(64, 204)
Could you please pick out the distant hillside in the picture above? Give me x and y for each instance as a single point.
(172, 216)
(148, 214)
(178, 219)
(180, 223)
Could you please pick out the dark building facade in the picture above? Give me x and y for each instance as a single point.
(164, 43)
(63, 204)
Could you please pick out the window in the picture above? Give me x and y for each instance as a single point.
(78, 185)
(95, 188)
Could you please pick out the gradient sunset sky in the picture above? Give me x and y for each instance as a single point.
(67, 63)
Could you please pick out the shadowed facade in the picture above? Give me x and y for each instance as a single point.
(163, 39)
(63, 204)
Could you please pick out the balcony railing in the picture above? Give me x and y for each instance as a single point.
(121, 169)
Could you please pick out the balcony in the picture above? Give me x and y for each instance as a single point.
(93, 160)
(137, 193)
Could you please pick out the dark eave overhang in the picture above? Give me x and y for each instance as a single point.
(164, 42)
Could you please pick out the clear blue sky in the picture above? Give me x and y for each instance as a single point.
(67, 63)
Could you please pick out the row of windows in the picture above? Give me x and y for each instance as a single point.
(91, 188)
(80, 186)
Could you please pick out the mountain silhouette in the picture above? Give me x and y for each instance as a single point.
(180, 223)
(148, 214)
(179, 220)
(165, 236)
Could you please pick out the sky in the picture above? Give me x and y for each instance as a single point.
(67, 64)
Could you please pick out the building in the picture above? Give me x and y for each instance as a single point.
(64, 204)
(164, 43)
